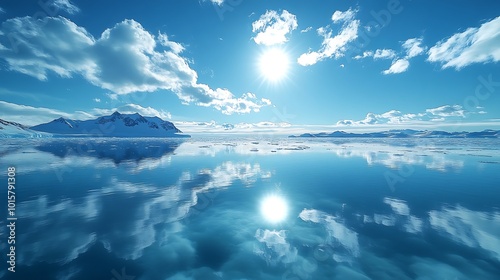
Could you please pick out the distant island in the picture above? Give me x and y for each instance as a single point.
(114, 125)
(404, 133)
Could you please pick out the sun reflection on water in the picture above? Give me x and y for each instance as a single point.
(274, 208)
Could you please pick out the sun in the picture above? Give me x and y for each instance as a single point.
(274, 208)
(273, 64)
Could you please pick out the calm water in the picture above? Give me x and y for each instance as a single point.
(253, 209)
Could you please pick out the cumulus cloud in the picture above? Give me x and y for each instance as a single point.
(57, 45)
(410, 48)
(441, 113)
(398, 66)
(174, 46)
(339, 16)
(273, 28)
(474, 45)
(333, 46)
(384, 54)
(413, 47)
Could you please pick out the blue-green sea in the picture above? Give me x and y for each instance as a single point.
(252, 208)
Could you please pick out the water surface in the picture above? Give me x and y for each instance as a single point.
(243, 208)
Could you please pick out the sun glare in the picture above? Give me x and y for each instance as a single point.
(274, 64)
(274, 208)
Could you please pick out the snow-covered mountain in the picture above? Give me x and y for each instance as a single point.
(115, 125)
(16, 130)
(406, 133)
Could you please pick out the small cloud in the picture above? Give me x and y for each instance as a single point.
(306, 30)
(384, 54)
(28, 115)
(364, 55)
(398, 66)
(2, 10)
(339, 16)
(413, 47)
(98, 100)
(395, 117)
(333, 46)
(273, 28)
(66, 6)
(342, 65)
(112, 96)
(447, 111)
(217, 2)
(133, 108)
(474, 45)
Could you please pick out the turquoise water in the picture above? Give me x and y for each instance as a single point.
(272, 208)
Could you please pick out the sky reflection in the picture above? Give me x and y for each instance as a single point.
(296, 213)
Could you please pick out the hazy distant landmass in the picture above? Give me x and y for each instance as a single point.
(115, 125)
(405, 133)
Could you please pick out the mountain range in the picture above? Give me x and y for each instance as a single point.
(114, 125)
(405, 133)
(17, 130)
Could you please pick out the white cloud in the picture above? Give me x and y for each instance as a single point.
(98, 100)
(306, 30)
(276, 249)
(377, 54)
(65, 5)
(333, 46)
(339, 16)
(364, 55)
(28, 115)
(337, 231)
(273, 28)
(2, 10)
(413, 47)
(60, 46)
(398, 66)
(397, 117)
(474, 45)
(214, 127)
(398, 206)
(217, 2)
(133, 108)
(174, 46)
(384, 54)
(471, 228)
(447, 111)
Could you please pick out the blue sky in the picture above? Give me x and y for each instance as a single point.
(245, 65)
